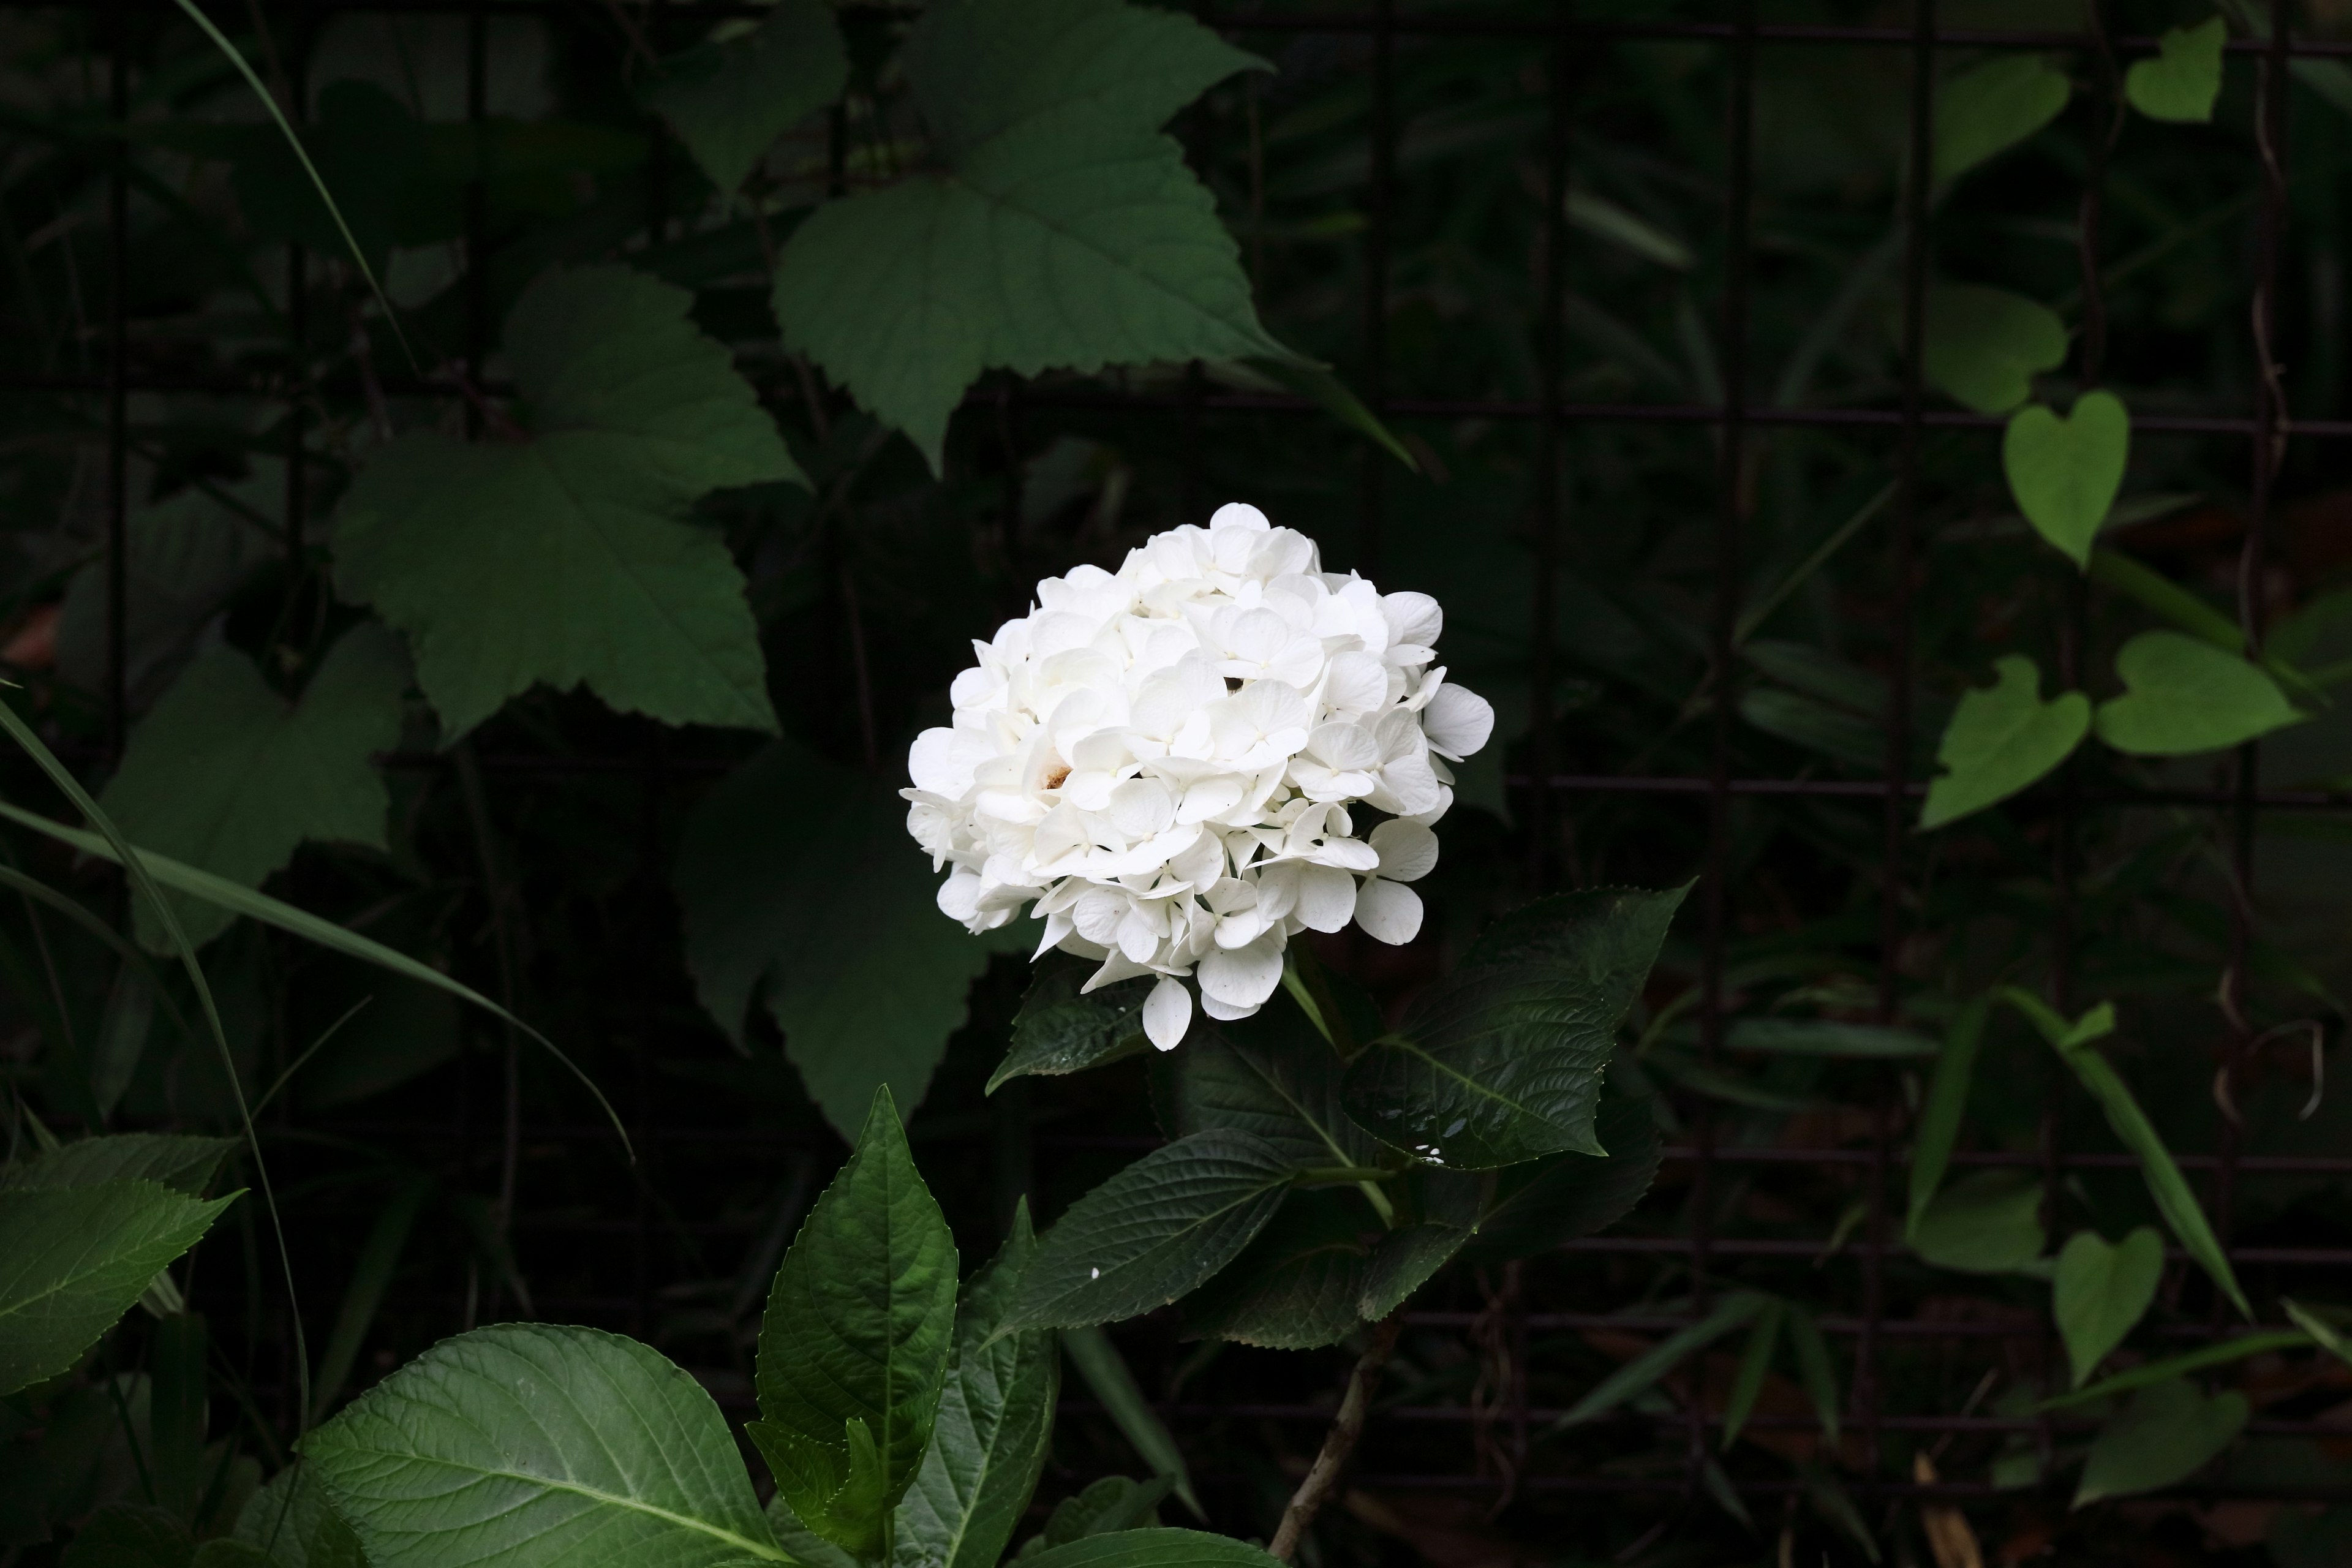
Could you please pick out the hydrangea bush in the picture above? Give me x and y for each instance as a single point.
(1184, 763)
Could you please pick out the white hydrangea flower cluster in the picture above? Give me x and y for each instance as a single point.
(1167, 760)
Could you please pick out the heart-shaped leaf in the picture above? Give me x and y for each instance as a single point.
(2101, 1290)
(2166, 1433)
(2182, 695)
(1986, 345)
(2064, 472)
(1989, 1223)
(2000, 739)
(729, 100)
(1991, 107)
(2184, 77)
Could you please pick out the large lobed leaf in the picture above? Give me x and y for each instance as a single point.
(1064, 230)
(74, 1259)
(995, 1421)
(800, 890)
(1502, 1061)
(228, 775)
(1154, 1231)
(1269, 1076)
(569, 558)
(524, 1445)
(1062, 1028)
(729, 100)
(854, 1350)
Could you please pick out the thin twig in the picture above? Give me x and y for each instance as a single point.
(1339, 1442)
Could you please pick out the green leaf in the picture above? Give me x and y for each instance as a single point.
(2065, 472)
(73, 1259)
(2153, 1373)
(729, 101)
(1405, 1259)
(1105, 1371)
(1828, 1038)
(1502, 1061)
(2000, 739)
(1816, 725)
(2330, 1335)
(177, 1161)
(127, 1535)
(800, 890)
(1755, 1363)
(1105, 1505)
(854, 1347)
(1987, 1222)
(2168, 598)
(1735, 1310)
(1991, 107)
(1152, 1549)
(1300, 1286)
(1059, 1029)
(1060, 228)
(2166, 1184)
(372, 1274)
(1265, 1075)
(2182, 696)
(1984, 346)
(571, 558)
(226, 774)
(1543, 1203)
(372, 153)
(2167, 1433)
(2101, 1290)
(179, 1398)
(290, 1524)
(526, 1444)
(1154, 1231)
(1813, 1365)
(2184, 77)
(995, 1423)
(1948, 1101)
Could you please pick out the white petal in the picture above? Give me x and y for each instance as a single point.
(1457, 721)
(1242, 977)
(1408, 850)
(1226, 1012)
(1168, 1013)
(1388, 911)
(958, 896)
(1413, 619)
(1327, 898)
(941, 760)
(1238, 514)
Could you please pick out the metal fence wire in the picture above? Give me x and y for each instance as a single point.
(1424, 1439)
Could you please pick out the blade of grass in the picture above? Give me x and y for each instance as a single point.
(1755, 1363)
(1638, 1375)
(1105, 1369)
(1948, 1098)
(2226, 1352)
(268, 101)
(1815, 1367)
(129, 858)
(371, 1276)
(297, 1065)
(244, 901)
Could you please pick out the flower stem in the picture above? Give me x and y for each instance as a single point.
(1338, 1442)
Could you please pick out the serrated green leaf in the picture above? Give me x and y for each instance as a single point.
(2065, 473)
(1105, 1371)
(855, 1346)
(2000, 739)
(729, 101)
(178, 1160)
(1064, 230)
(1984, 346)
(800, 890)
(227, 776)
(569, 558)
(1502, 1061)
(2166, 1433)
(1267, 1075)
(1301, 1285)
(289, 1525)
(1105, 1505)
(1405, 1259)
(1152, 1549)
(130, 1535)
(527, 1445)
(1062, 1030)
(1990, 108)
(2182, 696)
(1987, 1222)
(73, 1259)
(1545, 1204)
(1154, 1231)
(995, 1423)
(2100, 1290)
(2184, 78)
